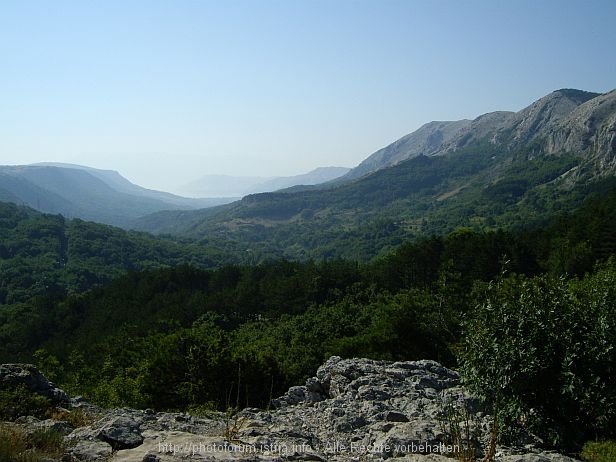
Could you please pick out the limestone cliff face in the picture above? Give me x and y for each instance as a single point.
(562, 121)
(590, 129)
(539, 119)
(565, 121)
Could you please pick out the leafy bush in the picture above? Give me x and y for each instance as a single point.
(19, 401)
(541, 352)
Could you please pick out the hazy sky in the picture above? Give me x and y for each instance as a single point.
(168, 91)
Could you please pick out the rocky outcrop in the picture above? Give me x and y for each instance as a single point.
(538, 119)
(352, 409)
(379, 408)
(590, 127)
(13, 375)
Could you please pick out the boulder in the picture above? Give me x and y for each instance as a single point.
(12, 375)
(88, 451)
(119, 432)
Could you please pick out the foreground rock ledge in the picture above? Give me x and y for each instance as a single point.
(354, 409)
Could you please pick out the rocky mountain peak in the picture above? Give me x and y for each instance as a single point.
(590, 127)
(485, 126)
(529, 123)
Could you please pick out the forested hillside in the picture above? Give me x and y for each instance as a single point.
(46, 254)
(419, 197)
(189, 338)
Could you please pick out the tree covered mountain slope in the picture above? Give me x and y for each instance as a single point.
(43, 254)
(502, 169)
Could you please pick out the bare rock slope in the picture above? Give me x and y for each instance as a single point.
(564, 121)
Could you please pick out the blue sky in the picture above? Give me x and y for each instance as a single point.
(168, 91)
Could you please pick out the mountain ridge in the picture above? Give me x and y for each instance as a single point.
(121, 184)
(500, 169)
(425, 140)
(76, 192)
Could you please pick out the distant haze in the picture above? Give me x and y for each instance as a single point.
(167, 93)
(239, 186)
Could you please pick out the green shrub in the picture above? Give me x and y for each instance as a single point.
(19, 401)
(48, 442)
(599, 451)
(542, 353)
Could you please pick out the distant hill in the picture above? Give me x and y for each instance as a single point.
(220, 186)
(502, 169)
(91, 194)
(314, 177)
(239, 186)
